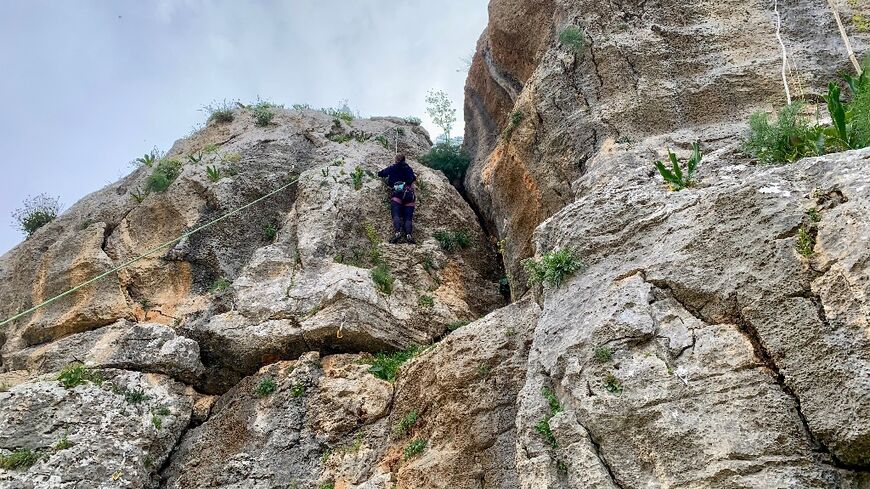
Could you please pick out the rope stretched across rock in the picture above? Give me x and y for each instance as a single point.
(147, 254)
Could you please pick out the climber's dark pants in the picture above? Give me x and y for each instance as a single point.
(403, 218)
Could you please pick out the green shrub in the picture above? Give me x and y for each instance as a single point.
(543, 427)
(553, 268)
(266, 386)
(36, 212)
(357, 177)
(449, 159)
(427, 302)
(157, 421)
(550, 396)
(162, 411)
(385, 366)
(340, 138)
(383, 279)
(213, 173)
(138, 195)
(327, 485)
(77, 374)
(513, 123)
(787, 140)
(263, 113)
(135, 396)
(384, 141)
(612, 384)
(403, 427)
(806, 243)
(416, 447)
(453, 240)
(220, 285)
(62, 444)
(456, 325)
(674, 176)
(148, 159)
(270, 232)
(163, 175)
(297, 390)
(572, 38)
(603, 354)
(301, 107)
(413, 120)
(22, 458)
(220, 112)
(195, 158)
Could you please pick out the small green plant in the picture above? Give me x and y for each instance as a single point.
(77, 374)
(403, 427)
(413, 120)
(195, 158)
(340, 138)
(789, 139)
(36, 213)
(385, 366)
(427, 302)
(162, 411)
(552, 401)
(449, 159)
(297, 390)
(383, 279)
(219, 285)
(157, 421)
(543, 428)
(514, 122)
(553, 268)
(456, 325)
(220, 112)
(814, 215)
(22, 458)
(62, 444)
(483, 370)
(301, 107)
(674, 176)
(164, 173)
(603, 354)
(806, 243)
(135, 396)
(357, 177)
(327, 485)
(266, 386)
(561, 466)
(572, 38)
(400, 131)
(263, 113)
(416, 447)
(612, 384)
(213, 173)
(270, 232)
(343, 112)
(232, 157)
(148, 159)
(384, 141)
(453, 240)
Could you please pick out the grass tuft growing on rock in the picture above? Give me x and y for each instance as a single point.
(383, 279)
(416, 447)
(220, 112)
(77, 374)
(164, 173)
(513, 123)
(572, 38)
(543, 426)
(457, 324)
(788, 139)
(357, 178)
(553, 268)
(22, 458)
(427, 302)
(265, 387)
(603, 354)
(62, 444)
(385, 366)
(219, 285)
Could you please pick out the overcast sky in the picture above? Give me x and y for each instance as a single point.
(91, 84)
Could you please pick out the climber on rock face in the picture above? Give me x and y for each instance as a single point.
(400, 177)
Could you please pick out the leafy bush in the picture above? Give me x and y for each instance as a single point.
(449, 159)
(427, 302)
(219, 285)
(157, 421)
(572, 38)
(36, 212)
(675, 176)
(806, 243)
(513, 123)
(135, 396)
(403, 427)
(384, 141)
(787, 140)
(263, 113)
(543, 427)
(357, 177)
(553, 268)
(19, 459)
(163, 175)
(413, 120)
(269, 232)
(550, 396)
(385, 366)
(453, 240)
(77, 374)
(612, 384)
(148, 159)
(266, 386)
(220, 112)
(415, 447)
(343, 112)
(603, 354)
(340, 138)
(383, 279)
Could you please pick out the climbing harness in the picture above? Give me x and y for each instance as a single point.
(146, 254)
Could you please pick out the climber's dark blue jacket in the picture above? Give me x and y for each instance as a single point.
(398, 172)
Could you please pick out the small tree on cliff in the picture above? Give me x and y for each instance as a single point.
(441, 110)
(447, 154)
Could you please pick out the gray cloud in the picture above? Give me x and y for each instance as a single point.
(92, 84)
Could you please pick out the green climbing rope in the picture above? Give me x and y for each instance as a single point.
(146, 254)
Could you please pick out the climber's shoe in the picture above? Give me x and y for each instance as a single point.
(396, 238)
(410, 239)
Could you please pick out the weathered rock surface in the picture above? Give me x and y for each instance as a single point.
(114, 439)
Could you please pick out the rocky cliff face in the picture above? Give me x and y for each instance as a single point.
(696, 348)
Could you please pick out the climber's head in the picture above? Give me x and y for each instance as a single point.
(400, 158)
